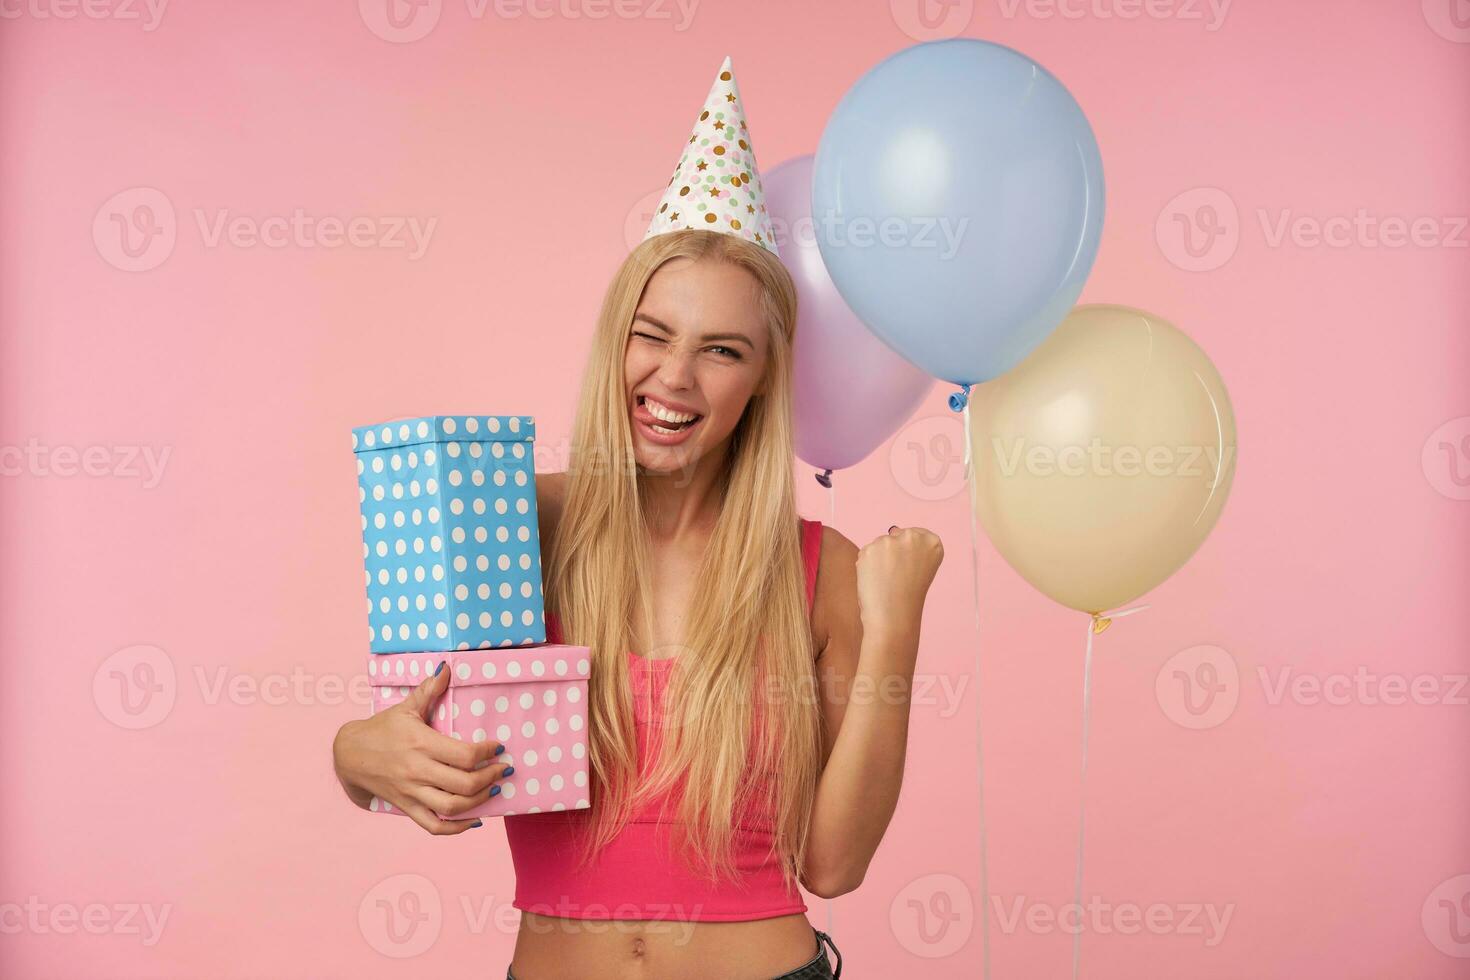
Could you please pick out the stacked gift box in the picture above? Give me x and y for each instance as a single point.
(453, 567)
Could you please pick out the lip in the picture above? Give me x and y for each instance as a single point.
(645, 420)
(675, 406)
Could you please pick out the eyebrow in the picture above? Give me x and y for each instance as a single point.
(706, 338)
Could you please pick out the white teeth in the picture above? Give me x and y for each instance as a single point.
(666, 414)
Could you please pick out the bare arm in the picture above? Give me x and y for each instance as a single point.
(869, 607)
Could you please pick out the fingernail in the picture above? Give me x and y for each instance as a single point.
(495, 790)
(477, 823)
(499, 749)
(440, 667)
(509, 770)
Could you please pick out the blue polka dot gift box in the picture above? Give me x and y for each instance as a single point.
(449, 532)
(533, 701)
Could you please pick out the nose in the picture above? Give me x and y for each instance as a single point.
(677, 370)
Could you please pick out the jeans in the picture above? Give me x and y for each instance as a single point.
(817, 968)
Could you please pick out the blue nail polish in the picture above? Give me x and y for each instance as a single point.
(477, 823)
(440, 667)
(499, 749)
(509, 770)
(495, 790)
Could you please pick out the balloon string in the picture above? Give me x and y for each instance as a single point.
(968, 475)
(826, 481)
(979, 717)
(1095, 625)
(832, 521)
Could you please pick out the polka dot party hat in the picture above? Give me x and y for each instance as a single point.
(716, 185)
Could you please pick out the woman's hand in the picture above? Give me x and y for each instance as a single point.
(893, 577)
(396, 756)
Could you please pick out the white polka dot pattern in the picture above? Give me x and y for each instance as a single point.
(449, 532)
(531, 699)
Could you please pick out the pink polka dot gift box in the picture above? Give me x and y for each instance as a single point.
(532, 700)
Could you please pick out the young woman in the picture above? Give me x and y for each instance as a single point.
(748, 711)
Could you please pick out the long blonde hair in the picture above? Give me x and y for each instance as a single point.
(735, 718)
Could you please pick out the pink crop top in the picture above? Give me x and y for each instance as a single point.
(639, 874)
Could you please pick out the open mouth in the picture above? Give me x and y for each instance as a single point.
(662, 420)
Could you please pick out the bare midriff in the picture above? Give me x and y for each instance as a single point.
(553, 948)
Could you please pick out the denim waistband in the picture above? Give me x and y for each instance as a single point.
(817, 968)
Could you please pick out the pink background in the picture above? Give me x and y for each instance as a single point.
(176, 649)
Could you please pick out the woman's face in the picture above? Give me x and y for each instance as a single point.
(696, 355)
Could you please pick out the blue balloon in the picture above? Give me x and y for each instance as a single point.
(957, 201)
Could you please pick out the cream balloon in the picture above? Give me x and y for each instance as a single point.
(1102, 460)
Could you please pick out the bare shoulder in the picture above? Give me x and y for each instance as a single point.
(551, 494)
(836, 549)
(835, 613)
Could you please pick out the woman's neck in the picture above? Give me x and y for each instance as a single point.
(686, 500)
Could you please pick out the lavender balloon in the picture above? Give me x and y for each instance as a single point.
(852, 391)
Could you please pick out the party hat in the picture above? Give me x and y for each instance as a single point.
(716, 185)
